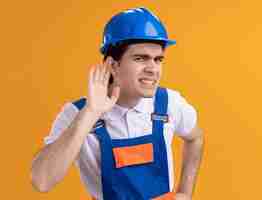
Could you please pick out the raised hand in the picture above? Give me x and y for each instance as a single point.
(97, 97)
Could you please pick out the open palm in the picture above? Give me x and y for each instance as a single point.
(97, 97)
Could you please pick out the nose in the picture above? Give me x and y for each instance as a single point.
(152, 67)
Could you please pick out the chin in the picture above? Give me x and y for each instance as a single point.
(148, 93)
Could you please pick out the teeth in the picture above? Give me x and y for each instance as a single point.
(147, 81)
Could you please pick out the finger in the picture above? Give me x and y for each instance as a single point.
(106, 78)
(109, 62)
(103, 70)
(106, 70)
(100, 75)
(96, 73)
(91, 74)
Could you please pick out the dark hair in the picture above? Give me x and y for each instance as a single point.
(117, 51)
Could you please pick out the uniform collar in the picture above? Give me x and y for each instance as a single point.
(145, 106)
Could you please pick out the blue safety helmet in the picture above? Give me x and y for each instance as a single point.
(138, 23)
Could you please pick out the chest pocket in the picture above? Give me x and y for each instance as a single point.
(133, 155)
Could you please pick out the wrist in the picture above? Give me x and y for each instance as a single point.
(86, 119)
(96, 114)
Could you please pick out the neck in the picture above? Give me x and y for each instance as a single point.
(125, 100)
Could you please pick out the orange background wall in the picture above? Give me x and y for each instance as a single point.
(48, 46)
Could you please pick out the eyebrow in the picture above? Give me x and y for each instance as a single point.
(147, 56)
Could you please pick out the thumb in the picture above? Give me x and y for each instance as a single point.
(115, 94)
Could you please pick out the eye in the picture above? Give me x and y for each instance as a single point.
(139, 59)
(159, 60)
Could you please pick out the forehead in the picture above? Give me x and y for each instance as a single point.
(151, 49)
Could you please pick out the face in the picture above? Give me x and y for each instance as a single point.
(139, 71)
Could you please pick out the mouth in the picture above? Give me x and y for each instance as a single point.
(147, 81)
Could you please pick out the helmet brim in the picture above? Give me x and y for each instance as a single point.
(167, 42)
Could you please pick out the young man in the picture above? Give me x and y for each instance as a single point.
(120, 134)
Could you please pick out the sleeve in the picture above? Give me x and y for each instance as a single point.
(61, 122)
(183, 113)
